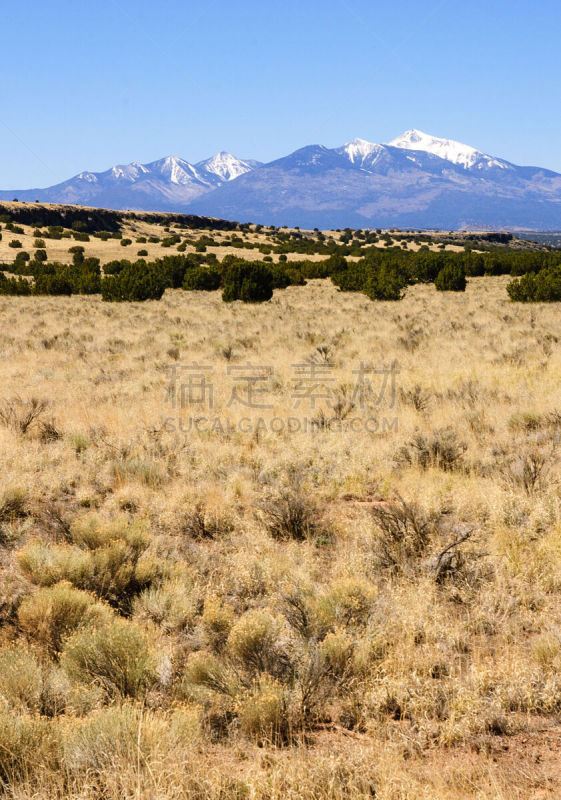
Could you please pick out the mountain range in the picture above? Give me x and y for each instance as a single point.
(414, 181)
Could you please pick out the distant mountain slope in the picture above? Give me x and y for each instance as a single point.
(168, 184)
(415, 181)
(367, 185)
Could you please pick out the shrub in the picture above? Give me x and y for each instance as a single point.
(386, 283)
(254, 642)
(14, 286)
(403, 533)
(52, 614)
(15, 243)
(441, 448)
(543, 287)
(137, 282)
(249, 282)
(142, 253)
(354, 278)
(290, 513)
(264, 711)
(347, 602)
(451, 278)
(58, 283)
(171, 606)
(105, 558)
(116, 657)
(24, 748)
(112, 739)
(217, 620)
(125, 242)
(22, 415)
(201, 279)
(114, 267)
(21, 679)
(13, 505)
(40, 256)
(21, 258)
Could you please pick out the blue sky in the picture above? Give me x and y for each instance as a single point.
(89, 85)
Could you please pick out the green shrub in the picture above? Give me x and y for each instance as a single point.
(386, 283)
(116, 266)
(201, 279)
(58, 283)
(142, 253)
(15, 243)
(137, 282)
(116, 657)
(14, 286)
(125, 242)
(249, 282)
(451, 278)
(543, 287)
(284, 276)
(353, 278)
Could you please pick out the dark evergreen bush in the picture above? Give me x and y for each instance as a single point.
(543, 287)
(201, 279)
(451, 278)
(57, 283)
(17, 286)
(387, 282)
(136, 282)
(354, 278)
(251, 282)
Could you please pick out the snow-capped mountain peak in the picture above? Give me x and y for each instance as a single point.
(358, 150)
(90, 177)
(457, 153)
(175, 169)
(224, 166)
(128, 172)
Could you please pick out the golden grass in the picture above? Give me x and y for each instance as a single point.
(58, 249)
(432, 673)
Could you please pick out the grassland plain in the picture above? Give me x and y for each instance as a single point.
(137, 233)
(231, 610)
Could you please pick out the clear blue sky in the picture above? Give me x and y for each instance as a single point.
(89, 85)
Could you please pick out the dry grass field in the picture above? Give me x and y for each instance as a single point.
(201, 598)
(133, 229)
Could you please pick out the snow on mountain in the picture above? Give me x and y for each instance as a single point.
(416, 180)
(175, 170)
(129, 172)
(359, 150)
(461, 154)
(90, 177)
(225, 166)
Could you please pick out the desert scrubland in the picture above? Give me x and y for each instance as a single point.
(304, 549)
